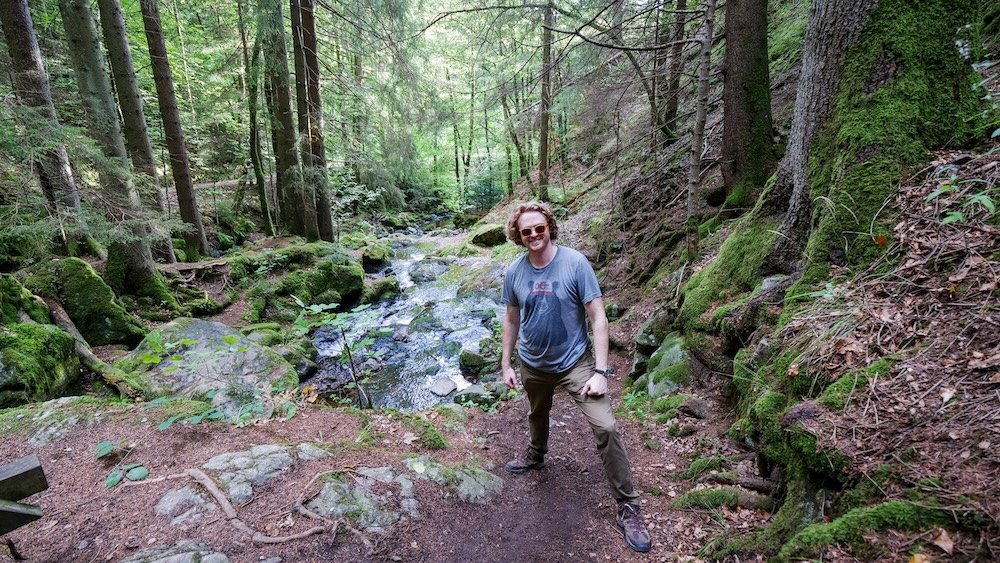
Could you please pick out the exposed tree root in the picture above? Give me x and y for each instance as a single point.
(113, 376)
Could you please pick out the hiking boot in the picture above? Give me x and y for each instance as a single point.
(524, 463)
(636, 535)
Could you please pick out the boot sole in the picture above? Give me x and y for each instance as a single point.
(524, 469)
(634, 547)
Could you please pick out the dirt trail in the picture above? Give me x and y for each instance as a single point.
(562, 513)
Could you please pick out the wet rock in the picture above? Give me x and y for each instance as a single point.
(443, 387)
(489, 236)
(184, 551)
(471, 363)
(184, 507)
(240, 471)
(375, 256)
(427, 271)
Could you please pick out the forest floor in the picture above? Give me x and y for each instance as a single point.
(561, 513)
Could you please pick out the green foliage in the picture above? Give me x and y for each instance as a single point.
(839, 393)
(702, 465)
(39, 362)
(427, 433)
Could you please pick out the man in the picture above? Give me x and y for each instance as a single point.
(550, 292)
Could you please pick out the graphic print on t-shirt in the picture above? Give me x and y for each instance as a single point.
(544, 314)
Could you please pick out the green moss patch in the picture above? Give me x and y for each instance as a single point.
(89, 302)
(37, 362)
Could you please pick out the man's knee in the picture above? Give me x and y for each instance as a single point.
(604, 429)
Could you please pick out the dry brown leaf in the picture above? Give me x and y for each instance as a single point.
(941, 539)
(919, 558)
(793, 370)
(946, 395)
(409, 438)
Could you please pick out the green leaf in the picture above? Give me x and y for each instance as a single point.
(137, 473)
(114, 478)
(158, 402)
(171, 369)
(187, 342)
(215, 415)
(953, 217)
(984, 200)
(945, 188)
(176, 357)
(103, 448)
(995, 134)
(290, 410)
(148, 358)
(168, 422)
(230, 339)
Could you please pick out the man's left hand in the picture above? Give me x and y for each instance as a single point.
(596, 386)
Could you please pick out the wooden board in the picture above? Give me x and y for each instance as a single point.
(13, 515)
(22, 478)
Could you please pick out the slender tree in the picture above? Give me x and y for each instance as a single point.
(180, 166)
(137, 143)
(671, 95)
(317, 144)
(31, 86)
(130, 267)
(251, 70)
(705, 37)
(546, 104)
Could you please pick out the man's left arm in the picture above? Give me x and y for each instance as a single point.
(598, 384)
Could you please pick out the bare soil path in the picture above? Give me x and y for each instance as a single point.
(561, 513)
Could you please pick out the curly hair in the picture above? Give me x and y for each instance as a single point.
(512, 233)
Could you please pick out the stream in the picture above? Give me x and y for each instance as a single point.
(407, 345)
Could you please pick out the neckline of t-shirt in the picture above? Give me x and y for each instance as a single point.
(542, 269)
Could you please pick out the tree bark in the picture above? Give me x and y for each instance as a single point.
(522, 162)
(546, 104)
(317, 143)
(747, 132)
(834, 26)
(671, 96)
(137, 143)
(252, 72)
(180, 166)
(698, 128)
(31, 86)
(130, 267)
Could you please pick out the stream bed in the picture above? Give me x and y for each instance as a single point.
(407, 349)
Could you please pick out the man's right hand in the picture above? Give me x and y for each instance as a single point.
(510, 377)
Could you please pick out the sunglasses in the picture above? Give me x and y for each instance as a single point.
(538, 229)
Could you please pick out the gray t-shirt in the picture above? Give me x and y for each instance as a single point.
(553, 331)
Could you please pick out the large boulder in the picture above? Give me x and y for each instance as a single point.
(375, 256)
(195, 358)
(490, 235)
(37, 362)
(88, 301)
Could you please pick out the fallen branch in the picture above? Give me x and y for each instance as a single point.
(112, 375)
(758, 485)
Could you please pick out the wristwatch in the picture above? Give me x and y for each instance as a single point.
(605, 372)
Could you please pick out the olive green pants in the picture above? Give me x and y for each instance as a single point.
(541, 386)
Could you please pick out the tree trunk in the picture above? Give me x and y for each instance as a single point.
(522, 162)
(698, 128)
(31, 86)
(834, 26)
(889, 62)
(251, 66)
(671, 95)
(747, 133)
(180, 167)
(302, 118)
(300, 217)
(130, 267)
(137, 143)
(546, 104)
(317, 144)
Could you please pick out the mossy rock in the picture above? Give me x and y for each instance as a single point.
(668, 367)
(265, 337)
(375, 256)
(17, 304)
(489, 236)
(654, 330)
(348, 280)
(382, 288)
(397, 220)
(88, 301)
(37, 362)
(471, 363)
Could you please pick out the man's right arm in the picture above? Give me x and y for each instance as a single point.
(511, 324)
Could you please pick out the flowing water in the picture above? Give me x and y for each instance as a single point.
(405, 345)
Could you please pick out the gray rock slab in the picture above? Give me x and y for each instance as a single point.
(184, 507)
(443, 387)
(311, 452)
(184, 551)
(239, 471)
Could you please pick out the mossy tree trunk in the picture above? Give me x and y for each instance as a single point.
(546, 104)
(130, 267)
(251, 65)
(705, 37)
(31, 87)
(880, 86)
(747, 132)
(180, 166)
